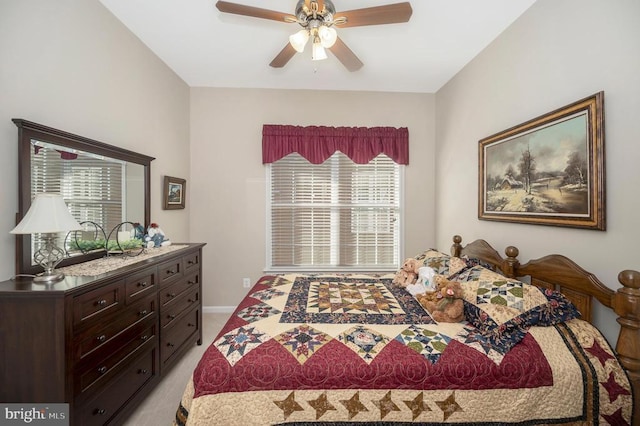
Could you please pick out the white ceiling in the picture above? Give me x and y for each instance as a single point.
(208, 48)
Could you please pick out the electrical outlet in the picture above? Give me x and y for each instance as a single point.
(246, 282)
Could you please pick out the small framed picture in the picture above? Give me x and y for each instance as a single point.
(174, 193)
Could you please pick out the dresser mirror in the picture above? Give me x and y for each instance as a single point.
(102, 185)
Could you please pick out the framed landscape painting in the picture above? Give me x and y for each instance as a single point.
(547, 171)
(174, 193)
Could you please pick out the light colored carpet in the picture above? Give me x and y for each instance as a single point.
(159, 408)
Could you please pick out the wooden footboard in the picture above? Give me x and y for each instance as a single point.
(581, 287)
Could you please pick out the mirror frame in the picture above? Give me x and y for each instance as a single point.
(27, 131)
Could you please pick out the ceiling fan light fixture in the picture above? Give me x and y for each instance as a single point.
(318, 53)
(319, 21)
(328, 36)
(299, 40)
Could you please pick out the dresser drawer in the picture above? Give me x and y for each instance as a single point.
(107, 403)
(172, 291)
(103, 335)
(170, 271)
(184, 328)
(95, 305)
(141, 284)
(169, 315)
(98, 371)
(191, 262)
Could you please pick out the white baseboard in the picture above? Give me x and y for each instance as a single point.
(218, 309)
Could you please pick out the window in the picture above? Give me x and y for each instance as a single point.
(92, 186)
(335, 215)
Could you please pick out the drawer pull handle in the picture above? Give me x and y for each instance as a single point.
(142, 371)
(171, 317)
(100, 412)
(142, 284)
(171, 345)
(190, 262)
(190, 325)
(171, 295)
(102, 370)
(171, 271)
(190, 282)
(142, 313)
(101, 338)
(101, 302)
(190, 300)
(144, 338)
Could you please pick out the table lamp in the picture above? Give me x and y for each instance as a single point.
(48, 215)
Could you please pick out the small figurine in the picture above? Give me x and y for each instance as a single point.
(155, 237)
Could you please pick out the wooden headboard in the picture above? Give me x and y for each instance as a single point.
(581, 287)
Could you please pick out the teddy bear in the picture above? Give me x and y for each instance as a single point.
(408, 273)
(155, 237)
(438, 282)
(450, 306)
(424, 283)
(427, 277)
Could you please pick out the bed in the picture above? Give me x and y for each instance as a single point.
(341, 349)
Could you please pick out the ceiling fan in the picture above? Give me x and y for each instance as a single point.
(317, 19)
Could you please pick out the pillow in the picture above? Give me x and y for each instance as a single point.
(503, 309)
(442, 263)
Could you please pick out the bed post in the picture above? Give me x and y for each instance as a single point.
(511, 263)
(627, 306)
(456, 247)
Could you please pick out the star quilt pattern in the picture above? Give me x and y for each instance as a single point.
(346, 348)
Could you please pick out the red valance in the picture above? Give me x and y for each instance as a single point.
(317, 143)
(63, 154)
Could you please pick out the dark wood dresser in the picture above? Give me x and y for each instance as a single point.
(100, 343)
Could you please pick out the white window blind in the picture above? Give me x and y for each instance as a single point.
(91, 186)
(335, 215)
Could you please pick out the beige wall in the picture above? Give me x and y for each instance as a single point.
(71, 65)
(556, 53)
(228, 188)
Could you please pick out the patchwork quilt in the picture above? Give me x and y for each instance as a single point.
(352, 349)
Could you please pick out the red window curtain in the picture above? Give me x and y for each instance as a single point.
(63, 154)
(317, 143)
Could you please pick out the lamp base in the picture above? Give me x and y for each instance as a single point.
(48, 278)
(48, 257)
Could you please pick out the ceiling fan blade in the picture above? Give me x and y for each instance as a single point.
(377, 15)
(346, 55)
(283, 57)
(256, 12)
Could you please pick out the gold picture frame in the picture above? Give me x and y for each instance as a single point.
(547, 171)
(174, 193)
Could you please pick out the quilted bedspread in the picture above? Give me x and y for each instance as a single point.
(346, 349)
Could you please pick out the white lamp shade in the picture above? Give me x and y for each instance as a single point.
(48, 214)
(318, 52)
(299, 40)
(328, 36)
